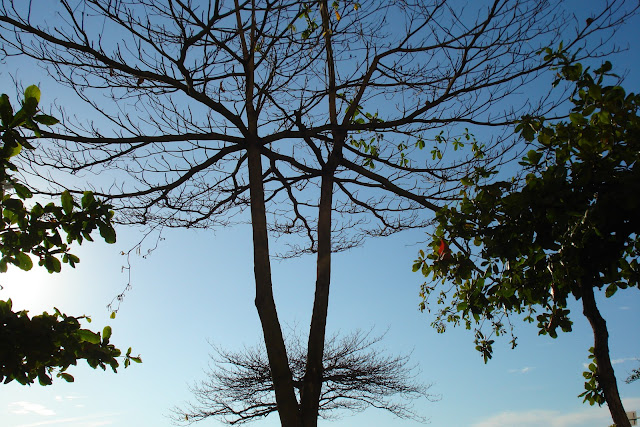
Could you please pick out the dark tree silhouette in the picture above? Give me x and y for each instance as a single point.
(302, 118)
(565, 230)
(356, 375)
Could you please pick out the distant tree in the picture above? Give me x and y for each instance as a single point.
(569, 227)
(304, 119)
(35, 347)
(356, 375)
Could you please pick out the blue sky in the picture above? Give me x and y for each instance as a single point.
(197, 287)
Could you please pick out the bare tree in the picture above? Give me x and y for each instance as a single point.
(308, 115)
(356, 375)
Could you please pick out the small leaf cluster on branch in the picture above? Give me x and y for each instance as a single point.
(35, 347)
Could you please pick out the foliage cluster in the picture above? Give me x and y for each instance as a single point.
(34, 347)
(570, 225)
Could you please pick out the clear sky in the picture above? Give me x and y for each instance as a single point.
(197, 287)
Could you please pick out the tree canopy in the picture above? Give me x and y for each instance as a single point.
(569, 227)
(35, 347)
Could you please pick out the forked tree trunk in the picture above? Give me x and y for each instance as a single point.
(606, 377)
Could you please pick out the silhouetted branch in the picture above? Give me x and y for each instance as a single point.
(357, 375)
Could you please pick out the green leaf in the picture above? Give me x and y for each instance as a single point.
(72, 259)
(108, 233)
(606, 67)
(19, 119)
(15, 150)
(589, 110)
(577, 118)
(466, 181)
(67, 202)
(52, 264)
(24, 261)
(46, 120)
(67, 377)
(113, 315)
(528, 133)
(6, 112)
(106, 333)
(43, 379)
(32, 92)
(22, 191)
(88, 336)
(534, 157)
(87, 199)
(611, 290)
(29, 107)
(595, 92)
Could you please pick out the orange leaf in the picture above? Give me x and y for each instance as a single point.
(443, 251)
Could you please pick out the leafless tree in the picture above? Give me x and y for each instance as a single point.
(356, 375)
(308, 115)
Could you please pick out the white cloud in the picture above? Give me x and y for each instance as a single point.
(521, 371)
(589, 416)
(540, 418)
(88, 421)
(626, 359)
(23, 407)
(71, 397)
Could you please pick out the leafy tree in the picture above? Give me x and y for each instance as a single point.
(568, 228)
(35, 347)
(356, 375)
(304, 119)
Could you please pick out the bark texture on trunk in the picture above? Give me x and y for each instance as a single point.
(312, 384)
(287, 403)
(606, 376)
(288, 408)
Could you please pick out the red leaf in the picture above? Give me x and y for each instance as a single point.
(443, 251)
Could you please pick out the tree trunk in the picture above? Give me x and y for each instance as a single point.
(288, 409)
(286, 401)
(312, 384)
(606, 377)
